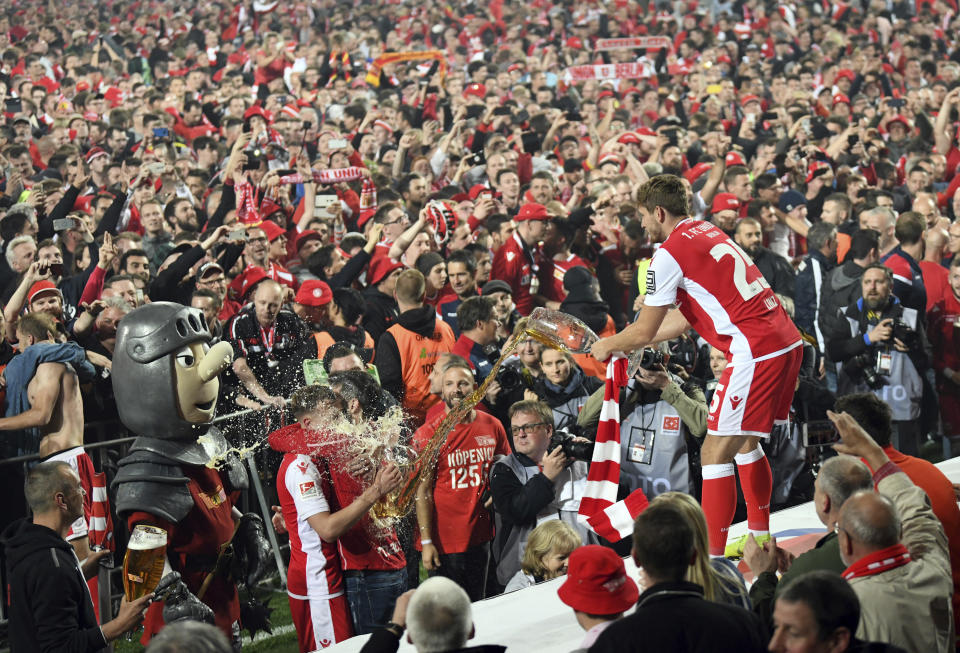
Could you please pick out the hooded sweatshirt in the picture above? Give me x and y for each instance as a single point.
(51, 610)
(420, 321)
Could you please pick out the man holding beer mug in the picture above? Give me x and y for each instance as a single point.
(50, 606)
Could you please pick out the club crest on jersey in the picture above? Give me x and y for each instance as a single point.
(735, 402)
(510, 256)
(651, 282)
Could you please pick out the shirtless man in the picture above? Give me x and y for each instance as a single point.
(44, 406)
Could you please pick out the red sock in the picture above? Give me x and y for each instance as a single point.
(757, 483)
(719, 503)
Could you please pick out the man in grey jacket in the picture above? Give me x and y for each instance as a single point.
(896, 552)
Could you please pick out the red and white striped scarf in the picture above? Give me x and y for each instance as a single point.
(246, 194)
(599, 508)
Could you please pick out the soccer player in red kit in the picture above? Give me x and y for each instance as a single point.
(721, 294)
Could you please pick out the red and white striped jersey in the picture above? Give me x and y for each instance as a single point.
(314, 571)
(720, 292)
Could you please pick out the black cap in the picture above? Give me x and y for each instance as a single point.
(496, 285)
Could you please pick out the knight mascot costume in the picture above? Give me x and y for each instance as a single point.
(178, 475)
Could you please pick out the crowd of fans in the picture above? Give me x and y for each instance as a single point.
(387, 188)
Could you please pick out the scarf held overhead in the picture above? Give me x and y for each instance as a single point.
(599, 508)
(373, 72)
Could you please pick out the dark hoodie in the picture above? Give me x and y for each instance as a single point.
(841, 289)
(50, 605)
(420, 321)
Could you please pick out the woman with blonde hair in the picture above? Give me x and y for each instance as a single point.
(720, 579)
(546, 553)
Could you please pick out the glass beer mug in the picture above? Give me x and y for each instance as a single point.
(564, 332)
(143, 563)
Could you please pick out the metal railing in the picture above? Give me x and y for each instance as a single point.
(99, 448)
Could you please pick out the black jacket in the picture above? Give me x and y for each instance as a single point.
(841, 288)
(813, 275)
(776, 270)
(675, 617)
(380, 312)
(418, 320)
(50, 606)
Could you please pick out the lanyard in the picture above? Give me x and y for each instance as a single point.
(268, 337)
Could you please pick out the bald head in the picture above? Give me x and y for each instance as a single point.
(935, 242)
(870, 522)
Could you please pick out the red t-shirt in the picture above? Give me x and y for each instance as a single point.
(553, 285)
(462, 476)
(720, 292)
(934, 282)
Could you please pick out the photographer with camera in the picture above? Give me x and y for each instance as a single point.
(540, 481)
(882, 347)
(563, 386)
(662, 420)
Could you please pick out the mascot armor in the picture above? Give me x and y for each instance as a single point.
(165, 381)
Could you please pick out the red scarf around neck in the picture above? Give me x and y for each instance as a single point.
(878, 562)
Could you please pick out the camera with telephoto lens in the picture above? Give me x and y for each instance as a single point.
(576, 449)
(904, 333)
(652, 359)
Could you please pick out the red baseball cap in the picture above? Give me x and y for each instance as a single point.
(629, 137)
(532, 211)
(840, 98)
(597, 582)
(735, 159)
(307, 235)
(725, 202)
(314, 293)
(476, 90)
(845, 73)
(272, 230)
(696, 171)
(902, 120)
(41, 287)
(816, 169)
(380, 269)
(747, 99)
(476, 189)
(95, 153)
(250, 278)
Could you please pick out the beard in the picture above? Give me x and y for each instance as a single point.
(875, 302)
(453, 399)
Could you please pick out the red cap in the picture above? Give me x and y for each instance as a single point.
(94, 153)
(845, 73)
(575, 43)
(816, 169)
(41, 287)
(272, 230)
(476, 189)
(305, 236)
(605, 93)
(725, 202)
(383, 124)
(746, 99)
(532, 211)
(629, 137)
(380, 269)
(902, 120)
(735, 159)
(250, 278)
(840, 98)
(597, 582)
(609, 157)
(314, 292)
(696, 171)
(476, 90)
(645, 131)
(255, 110)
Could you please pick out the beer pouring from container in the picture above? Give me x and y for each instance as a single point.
(564, 332)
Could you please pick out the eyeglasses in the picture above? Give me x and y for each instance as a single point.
(529, 428)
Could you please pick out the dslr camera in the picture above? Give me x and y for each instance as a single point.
(870, 367)
(572, 448)
(652, 359)
(904, 333)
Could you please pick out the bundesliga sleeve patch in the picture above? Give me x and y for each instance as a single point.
(309, 490)
(651, 282)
